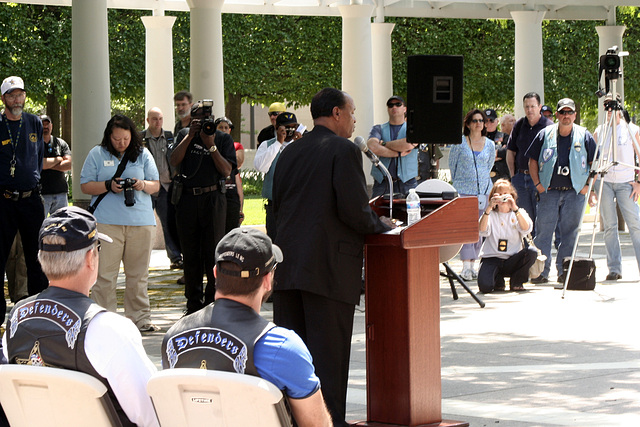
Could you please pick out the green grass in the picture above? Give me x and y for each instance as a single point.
(253, 210)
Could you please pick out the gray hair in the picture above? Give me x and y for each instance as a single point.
(60, 265)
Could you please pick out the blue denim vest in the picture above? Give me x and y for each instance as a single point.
(407, 165)
(577, 157)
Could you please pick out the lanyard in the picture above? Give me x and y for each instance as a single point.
(14, 145)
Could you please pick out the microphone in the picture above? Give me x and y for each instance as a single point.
(362, 145)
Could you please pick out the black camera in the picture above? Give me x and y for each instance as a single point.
(208, 122)
(609, 65)
(129, 195)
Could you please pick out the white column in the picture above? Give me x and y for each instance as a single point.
(609, 36)
(529, 76)
(357, 77)
(382, 69)
(207, 76)
(158, 90)
(91, 100)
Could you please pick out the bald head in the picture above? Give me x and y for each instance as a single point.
(155, 120)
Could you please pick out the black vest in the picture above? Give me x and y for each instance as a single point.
(219, 337)
(49, 329)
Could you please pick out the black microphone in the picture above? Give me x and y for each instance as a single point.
(362, 145)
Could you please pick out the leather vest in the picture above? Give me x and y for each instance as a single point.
(219, 337)
(49, 329)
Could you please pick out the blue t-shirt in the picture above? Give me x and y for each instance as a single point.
(281, 357)
(100, 165)
(26, 141)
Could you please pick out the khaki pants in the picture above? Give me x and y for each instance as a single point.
(132, 245)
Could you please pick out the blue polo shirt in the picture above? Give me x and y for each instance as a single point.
(26, 141)
(521, 137)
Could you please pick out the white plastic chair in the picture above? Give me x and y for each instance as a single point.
(196, 397)
(41, 396)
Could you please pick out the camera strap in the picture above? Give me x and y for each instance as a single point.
(121, 166)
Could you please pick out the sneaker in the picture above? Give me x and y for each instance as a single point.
(467, 275)
(614, 276)
(149, 327)
(181, 280)
(561, 278)
(539, 279)
(177, 265)
(474, 274)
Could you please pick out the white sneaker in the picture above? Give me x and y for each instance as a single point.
(474, 274)
(467, 275)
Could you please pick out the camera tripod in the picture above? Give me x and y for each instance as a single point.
(605, 159)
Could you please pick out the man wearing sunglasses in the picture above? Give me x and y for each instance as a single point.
(270, 131)
(559, 165)
(389, 142)
(57, 160)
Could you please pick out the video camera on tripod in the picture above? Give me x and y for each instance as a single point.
(609, 65)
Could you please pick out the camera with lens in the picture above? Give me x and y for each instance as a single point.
(129, 192)
(208, 121)
(505, 199)
(609, 65)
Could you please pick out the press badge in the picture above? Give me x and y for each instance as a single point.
(109, 163)
(502, 245)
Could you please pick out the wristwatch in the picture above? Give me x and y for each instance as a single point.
(383, 143)
(213, 148)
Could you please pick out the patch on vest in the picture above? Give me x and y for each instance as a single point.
(208, 339)
(46, 309)
(583, 162)
(35, 358)
(546, 154)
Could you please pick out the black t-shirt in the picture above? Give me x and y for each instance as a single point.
(266, 133)
(198, 154)
(53, 181)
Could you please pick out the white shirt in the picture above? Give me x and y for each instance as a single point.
(504, 226)
(625, 154)
(267, 153)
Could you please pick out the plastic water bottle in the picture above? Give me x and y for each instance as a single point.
(413, 207)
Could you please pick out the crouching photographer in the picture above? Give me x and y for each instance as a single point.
(204, 157)
(120, 175)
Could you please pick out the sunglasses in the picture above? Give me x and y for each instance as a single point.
(394, 104)
(98, 246)
(477, 121)
(274, 113)
(566, 112)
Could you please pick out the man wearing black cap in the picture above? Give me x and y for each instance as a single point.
(500, 168)
(559, 159)
(266, 158)
(204, 161)
(245, 263)
(57, 160)
(62, 327)
(21, 209)
(389, 142)
(547, 112)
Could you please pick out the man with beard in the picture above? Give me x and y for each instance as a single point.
(57, 160)
(183, 101)
(245, 263)
(21, 208)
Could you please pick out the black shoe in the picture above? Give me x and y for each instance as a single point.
(177, 265)
(614, 276)
(561, 278)
(181, 281)
(539, 279)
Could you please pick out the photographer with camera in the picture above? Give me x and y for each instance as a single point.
(120, 175)
(205, 157)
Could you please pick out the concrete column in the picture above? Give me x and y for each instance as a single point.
(357, 77)
(529, 76)
(159, 66)
(382, 69)
(90, 90)
(207, 76)
(609, 36)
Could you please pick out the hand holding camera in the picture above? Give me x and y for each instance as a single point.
(127, 185)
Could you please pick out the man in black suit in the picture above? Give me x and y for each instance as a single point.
(322, 215)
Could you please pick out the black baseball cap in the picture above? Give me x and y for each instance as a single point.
(491, 113)
(395, 98)
(286, 118)
(77, 226)
(250, 249)
(546, 108)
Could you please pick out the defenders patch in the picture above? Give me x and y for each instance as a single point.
(211, 339)
(50, 310)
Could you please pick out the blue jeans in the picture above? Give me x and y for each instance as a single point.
(161, 205)
(53, 202)
(631, 214)
(566, 208)
(527, 196)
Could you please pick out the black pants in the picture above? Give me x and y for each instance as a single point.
(201, 221)
(233, 209)
(325, 325)
(270, 220)
(494, 270)
(25, 215)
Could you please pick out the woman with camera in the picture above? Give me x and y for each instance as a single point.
(120, 175)
(503, 253)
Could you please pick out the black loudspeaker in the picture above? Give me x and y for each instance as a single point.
(434, 99)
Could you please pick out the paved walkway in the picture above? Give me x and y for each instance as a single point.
(526, 359)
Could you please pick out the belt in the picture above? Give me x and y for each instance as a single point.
(196, 191)
(561, 188)
(17, 195)
(524, 171)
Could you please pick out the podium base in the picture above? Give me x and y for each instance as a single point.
(443, 423)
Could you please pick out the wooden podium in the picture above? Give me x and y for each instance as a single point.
(402, 274)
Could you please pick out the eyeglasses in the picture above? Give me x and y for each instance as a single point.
(477, 121)
(394, 104)
(566, 112)
(274, 113)
(16, 95)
